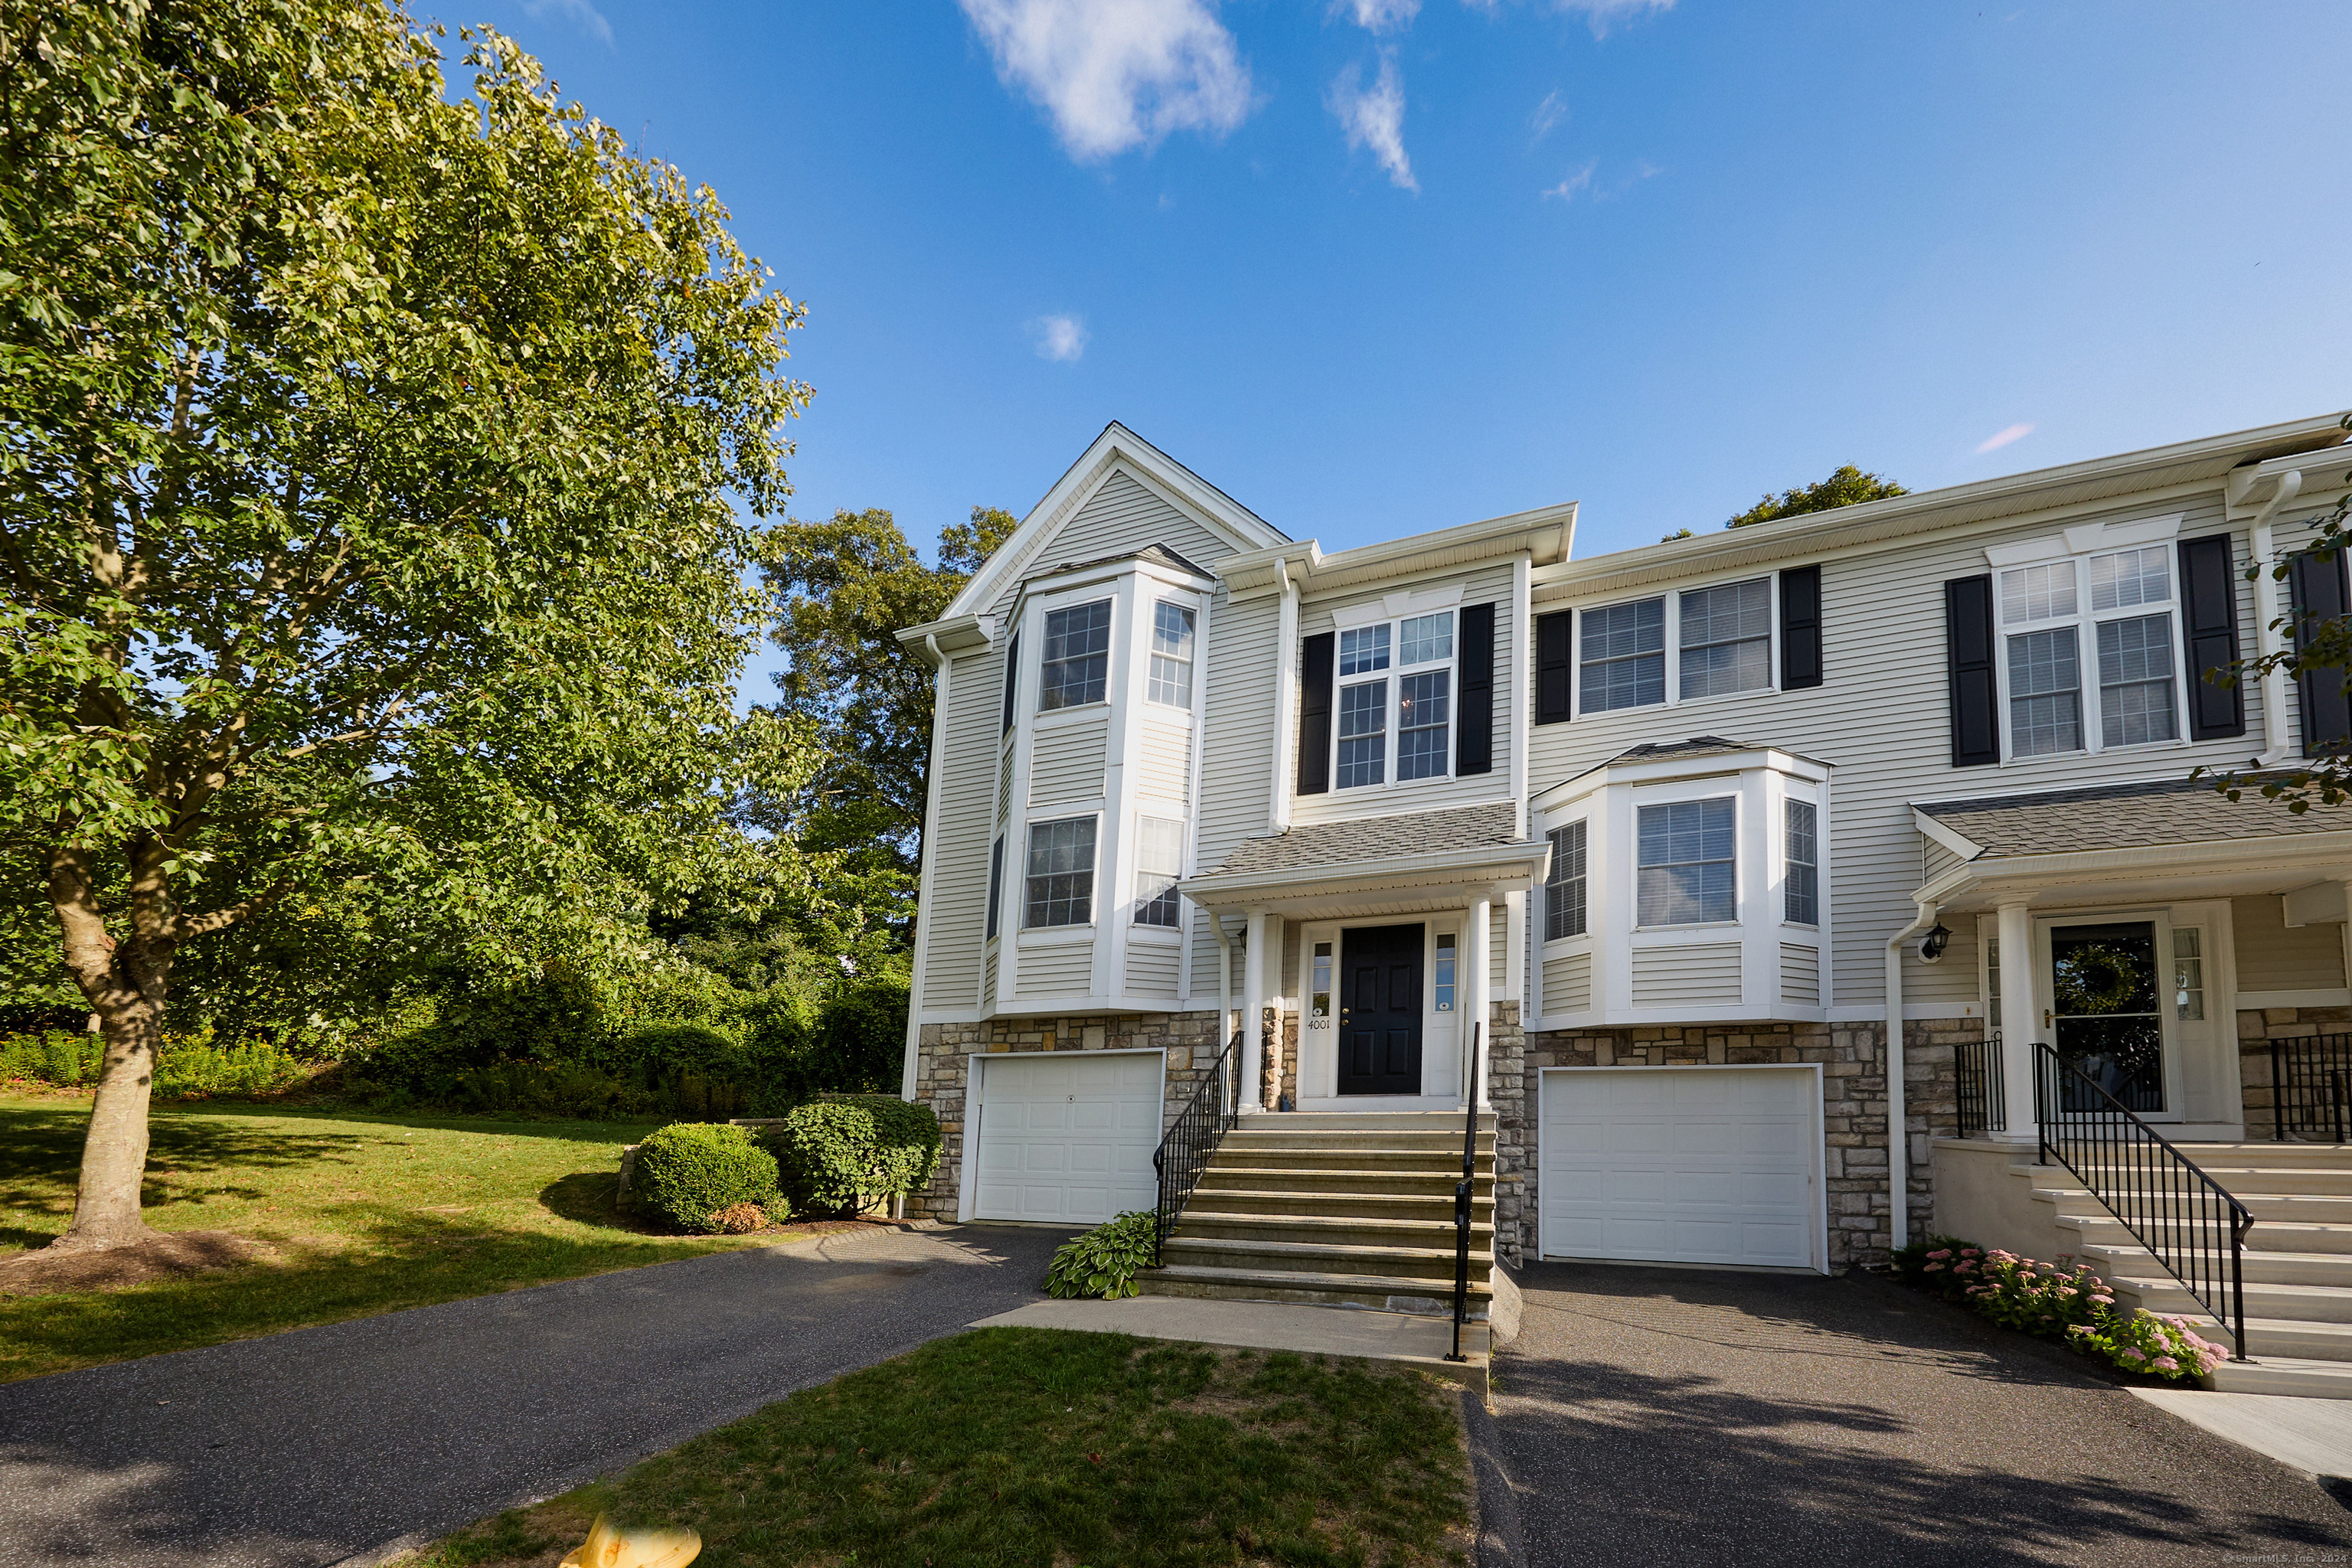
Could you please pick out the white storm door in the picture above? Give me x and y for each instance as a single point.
(1067, 1137)
(1682, 1164)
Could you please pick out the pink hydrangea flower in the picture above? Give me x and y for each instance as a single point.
(2164, 1363)
(1930, 1267)
(2132, 1353)
(1941, 1252)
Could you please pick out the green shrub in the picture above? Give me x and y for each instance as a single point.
(197, 1071)
(562, 1088)
(689, 1170)
(841, 1152)
(1103, 1262)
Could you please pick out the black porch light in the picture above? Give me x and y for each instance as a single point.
(1932, 945)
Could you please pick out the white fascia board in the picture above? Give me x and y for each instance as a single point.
(1117, 444)
(1986, 503)
(2323, 473)
(2024, 872)
(1936, 832)
(1497, 863)
(956, 634)
(1545, 535)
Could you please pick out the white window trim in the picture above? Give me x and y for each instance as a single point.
(1048, 934)
(1076, 599)
(1802, 795)
(1554, 945)
(2086, 622)
(1189, 602)
(1673, 651)
(1707, 789)
(1394, 728)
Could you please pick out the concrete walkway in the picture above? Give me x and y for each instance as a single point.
(344, 1443)
(1405, 1337)
(1674, 1418)
(2314, 1435)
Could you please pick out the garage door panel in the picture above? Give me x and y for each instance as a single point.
(1067, 1138)
(1680, 1164)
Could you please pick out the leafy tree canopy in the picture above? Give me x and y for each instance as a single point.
(364, 513)
(1847, 486)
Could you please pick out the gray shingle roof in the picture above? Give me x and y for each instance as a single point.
(1158, 553)
(2121, 816)
(1374, 838)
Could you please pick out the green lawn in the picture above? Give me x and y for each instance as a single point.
(367, 1213)
(1053, 1448)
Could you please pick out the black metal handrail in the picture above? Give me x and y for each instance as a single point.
(1183, 1152)
(2311, 1089)
(1462, 1190)
(1984, 1093)
(2183, 1217)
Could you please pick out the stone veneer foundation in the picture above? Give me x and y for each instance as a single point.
(1853, 1087)
(2256, 1030)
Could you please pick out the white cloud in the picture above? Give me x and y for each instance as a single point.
(1579, 181)
(1548, 114)
(1116, 74)
(1061, 339)
(586, 16)
(1373, 118)
(2000, 438)
(1602, 15)
(1379, 15)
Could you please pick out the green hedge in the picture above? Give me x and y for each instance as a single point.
(841, 1152)
(189, 1069)
(691, 1171)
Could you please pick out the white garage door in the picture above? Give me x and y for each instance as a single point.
(1067, 1137)
(1681, 1164)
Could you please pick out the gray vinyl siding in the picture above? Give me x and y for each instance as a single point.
(954, 925)
(1567, 982)
(2275, 956)
(1880, 720)
(1064, 969)
(1489, 585)
(1237, 748)
(1800, 975)
(1166, 761)
(1151, 968)
(1947, 982)
(1122, 515)
(1065, 763)
(1686, 975)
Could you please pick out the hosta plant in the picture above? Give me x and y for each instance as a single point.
(1103, 1262)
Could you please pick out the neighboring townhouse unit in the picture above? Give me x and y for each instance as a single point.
(1655, 846)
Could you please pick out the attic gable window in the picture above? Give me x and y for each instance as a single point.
(1077, 657)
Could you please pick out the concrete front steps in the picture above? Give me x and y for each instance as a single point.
(1351, 1208)
(2297, 1268)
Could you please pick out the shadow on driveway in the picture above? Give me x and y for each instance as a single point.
(1673, 1417)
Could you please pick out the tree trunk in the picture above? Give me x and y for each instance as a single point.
(124, 983)
(114, 1152)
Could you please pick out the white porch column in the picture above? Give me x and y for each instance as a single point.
(1257, 968)
(2021, 1019)
(1479, 989)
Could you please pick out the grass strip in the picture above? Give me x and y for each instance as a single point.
(1050, 1447)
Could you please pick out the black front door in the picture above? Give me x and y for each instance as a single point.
(2107, 1012)
(1380, 1010)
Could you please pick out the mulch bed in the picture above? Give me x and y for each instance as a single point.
(173, 1256)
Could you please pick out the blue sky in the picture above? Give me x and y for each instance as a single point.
(1378, 267)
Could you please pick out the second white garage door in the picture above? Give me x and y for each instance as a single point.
(1067, 1137)
(1681, 1164)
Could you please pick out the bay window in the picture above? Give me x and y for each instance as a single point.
(1158, 861)
(1688, 874)
(1061, 873)
(1171, 655)
(1564, 884)
(1077, 657)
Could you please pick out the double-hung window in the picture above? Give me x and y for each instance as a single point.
(1688, 875)
(1803, 906)
(1726, 639)
(1061, 873)
(2089, 652)
(1077, 657)
(1158, 861)
(1171, 655)
(1623, 656)
(1413, 656)
(1564, 884)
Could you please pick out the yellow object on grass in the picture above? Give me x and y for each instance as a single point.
(638, 1546)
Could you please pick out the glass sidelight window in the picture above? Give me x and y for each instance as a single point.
(1446, 972)
(1321, 1004)
(2187, 973)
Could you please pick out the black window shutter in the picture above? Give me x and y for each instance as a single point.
(2210, 605)
(2319, 594)
(1967, 653)
(1316, 654)
(1552, 666)
(1801, 628)
(1012, 680)
(1474, 742)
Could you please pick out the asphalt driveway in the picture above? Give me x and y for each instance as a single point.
(333, 1443)
(1672, 1418)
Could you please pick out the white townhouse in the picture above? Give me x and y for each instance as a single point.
(1657, 850)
